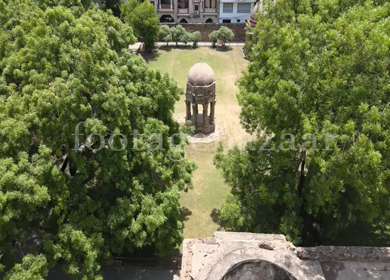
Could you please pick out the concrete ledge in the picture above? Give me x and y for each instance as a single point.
(248, 237)
(342, 253)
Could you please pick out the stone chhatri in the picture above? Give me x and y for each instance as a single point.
(201, 91)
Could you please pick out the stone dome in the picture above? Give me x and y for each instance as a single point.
(252, 18)
(201, 74)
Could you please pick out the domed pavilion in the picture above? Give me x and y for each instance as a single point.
(201, 91)
(252, 21)
(252, 18)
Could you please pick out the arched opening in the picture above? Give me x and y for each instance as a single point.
(166, 18)
(209, 20)
(257, 270)
(183, 20)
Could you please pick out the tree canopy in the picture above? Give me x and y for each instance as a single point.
(195, 37)
(165, 33)
(316, 94)
(213, 37)
(66, 73)
(177, 33)
(224, 33)
(113, 5)
(142, 17)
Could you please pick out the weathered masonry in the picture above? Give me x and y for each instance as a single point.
(248, 256)
(201, 91)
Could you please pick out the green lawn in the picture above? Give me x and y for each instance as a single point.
(201, 205)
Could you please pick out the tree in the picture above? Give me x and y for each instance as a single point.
(213, 37)
(43, 4)
(87, 163)
(195, 37)
(113, 5)
(142, 17)
(225, 34)
(177, 33)
(166, 33)
(316, 94)
(185, 37)
(32, 267)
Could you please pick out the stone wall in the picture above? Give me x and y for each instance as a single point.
(206, 28)
(343, 253)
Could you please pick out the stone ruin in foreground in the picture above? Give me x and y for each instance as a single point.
(249, 256)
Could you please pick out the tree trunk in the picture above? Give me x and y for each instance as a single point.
(308, 232)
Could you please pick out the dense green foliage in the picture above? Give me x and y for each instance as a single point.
(185, 38)
(195, 37)
(142, 17)
(113, 5)
(31, 268)
(224, 34)
(179, 34)
(318, 69)
(58, 67)
(213, 37)
(165, 33)
(66, 3)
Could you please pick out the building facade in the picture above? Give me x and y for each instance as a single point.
(202, 11)
(186, 11)
(235, 11)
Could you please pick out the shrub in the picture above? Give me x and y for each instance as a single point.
(177, 33)
(185, 37)
(225, 34)
(165, 33)
(213, 37)
(195, 37)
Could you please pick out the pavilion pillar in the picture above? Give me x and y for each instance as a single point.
(205, 116)
(188, 110)
(195, 114)
(212, 111)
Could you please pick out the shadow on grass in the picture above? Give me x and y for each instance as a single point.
(185, 214)
(216, 217)
(169, 48)
(186, 47)
(166, 48)
(222, 49)
(155, 54)
(150, 56)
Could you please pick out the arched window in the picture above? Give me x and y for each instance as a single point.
(166, 18)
